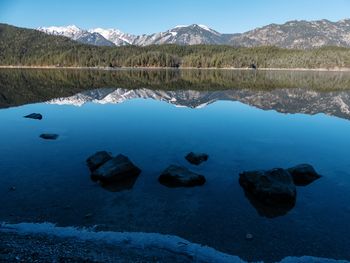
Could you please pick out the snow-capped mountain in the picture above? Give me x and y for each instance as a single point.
(298, 100)
(75, 33)
(182, 35)
(293, 34)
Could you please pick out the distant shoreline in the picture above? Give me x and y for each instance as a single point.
(186, 68)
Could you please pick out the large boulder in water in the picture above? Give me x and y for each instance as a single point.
(117, 169)
(98, 159)
(271, 187)
(178, 176)
(303, 174)
(196, 158)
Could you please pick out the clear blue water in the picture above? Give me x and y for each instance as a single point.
(52, 180)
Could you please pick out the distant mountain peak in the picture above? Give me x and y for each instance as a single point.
(196, 26)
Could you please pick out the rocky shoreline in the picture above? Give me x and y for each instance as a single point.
(29, 242)
(44, 248)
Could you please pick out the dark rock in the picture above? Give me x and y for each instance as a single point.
(196, 158)
(303, 174)
(272, 187)
(49, 136)
(96, 160)
(115, 170)
(35, 116)
(177, 176)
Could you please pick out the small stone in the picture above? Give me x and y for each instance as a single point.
(88, 215)
(49, 136)
(249, 236)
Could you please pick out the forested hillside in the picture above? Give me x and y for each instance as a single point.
(29, 47)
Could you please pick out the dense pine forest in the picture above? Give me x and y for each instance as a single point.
(27, 47)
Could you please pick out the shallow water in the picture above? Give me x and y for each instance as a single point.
(241, 128)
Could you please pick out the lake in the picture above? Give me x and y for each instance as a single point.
(244, 120)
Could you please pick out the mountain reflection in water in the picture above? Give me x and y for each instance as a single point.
(283, 91)
(296, 100)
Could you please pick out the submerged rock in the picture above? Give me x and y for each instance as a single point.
(271, 187)
(96, 160)
(49, 136)
(303, 174)
(116, 169)
(177, 176)
(35, 116)
(196, 158)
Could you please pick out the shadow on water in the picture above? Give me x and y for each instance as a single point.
(268, 211)
(124, 185)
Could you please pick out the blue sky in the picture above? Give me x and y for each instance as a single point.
(226, 16)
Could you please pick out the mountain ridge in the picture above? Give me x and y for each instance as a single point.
(294, 34)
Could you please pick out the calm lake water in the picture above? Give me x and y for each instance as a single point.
(244, 120)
